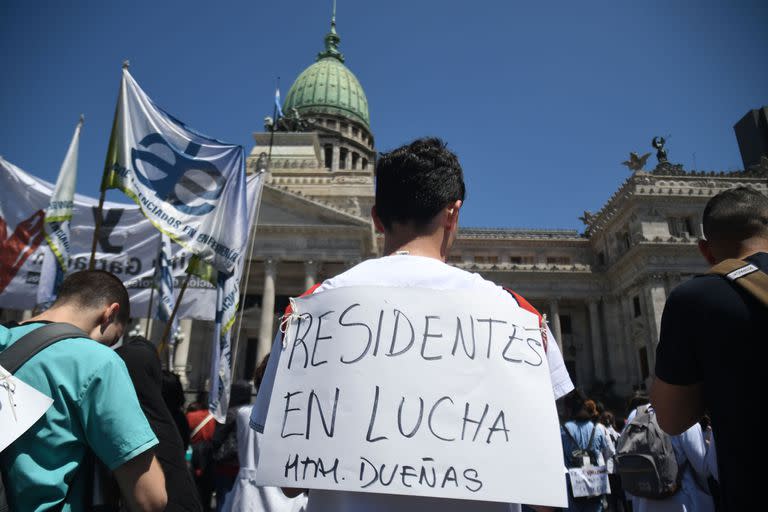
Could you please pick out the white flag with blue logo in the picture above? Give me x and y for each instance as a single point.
(58, 216)
(166, 300)
(227, 302)
(191, 187)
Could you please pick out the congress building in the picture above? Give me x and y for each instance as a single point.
(603, 290)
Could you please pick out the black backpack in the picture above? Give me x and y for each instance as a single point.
(22, 351)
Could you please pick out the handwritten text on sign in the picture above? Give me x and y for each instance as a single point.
(409, 391)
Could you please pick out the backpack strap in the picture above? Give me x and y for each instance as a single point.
(568, 433)
(33, 342)
(746, 275)
(200, 425)
(591, 436)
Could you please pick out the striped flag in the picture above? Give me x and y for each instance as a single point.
(278, 108)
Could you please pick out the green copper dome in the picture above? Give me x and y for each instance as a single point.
(328, 87)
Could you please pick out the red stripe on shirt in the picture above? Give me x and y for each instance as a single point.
(528, 307)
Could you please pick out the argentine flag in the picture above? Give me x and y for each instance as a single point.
(278, 108)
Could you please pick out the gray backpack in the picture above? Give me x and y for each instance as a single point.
(645, 459)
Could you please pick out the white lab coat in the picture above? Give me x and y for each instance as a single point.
(245, 495)
(690, 452)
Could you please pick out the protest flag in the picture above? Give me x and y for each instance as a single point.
(164, 285)
(227, 303)
(56, 225)
(193, 189)
(190, 187)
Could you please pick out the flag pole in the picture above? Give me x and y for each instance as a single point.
(97, 227)
(149, 311)
(252, 230)
(152, 289)
(274, 125)
(169, 323)
(103, 191)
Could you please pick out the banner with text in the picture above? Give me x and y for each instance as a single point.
(191, 187)
(127, 247)
(411, 391)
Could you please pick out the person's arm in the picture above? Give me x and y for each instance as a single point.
(119, 434)
(142, 483)
(677, 407)
(676, 393)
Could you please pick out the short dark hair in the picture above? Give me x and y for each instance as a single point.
(92, 289)
(414, 182)
(736, 214)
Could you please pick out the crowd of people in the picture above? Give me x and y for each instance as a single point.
(118, 435)
(591, 429)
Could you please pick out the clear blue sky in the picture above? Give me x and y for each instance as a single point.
(541, 100)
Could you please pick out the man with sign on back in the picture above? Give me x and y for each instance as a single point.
(419, 192)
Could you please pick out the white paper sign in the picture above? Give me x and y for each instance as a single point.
(20, 407)
(589, 481)
(412, 391)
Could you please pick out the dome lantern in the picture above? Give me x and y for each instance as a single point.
(328, 86)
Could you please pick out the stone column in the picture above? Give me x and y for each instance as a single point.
(615, 340)
(655, 297)
(632, 356)
(267, 310)
(554, 321)
(310, 274)
(181, 352)
(597, 344)
(336, 156)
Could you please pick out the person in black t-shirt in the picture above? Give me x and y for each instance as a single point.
(712, 333)
(141, 359)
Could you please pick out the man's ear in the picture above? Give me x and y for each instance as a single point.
(451, 219)
(376, 220)
(109, 315)
(706, 251)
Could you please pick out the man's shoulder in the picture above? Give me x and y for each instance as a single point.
(408, 271)
(75, 356)
(705, 293)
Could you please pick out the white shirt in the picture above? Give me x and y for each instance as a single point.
(245, 495)
(421, 272)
